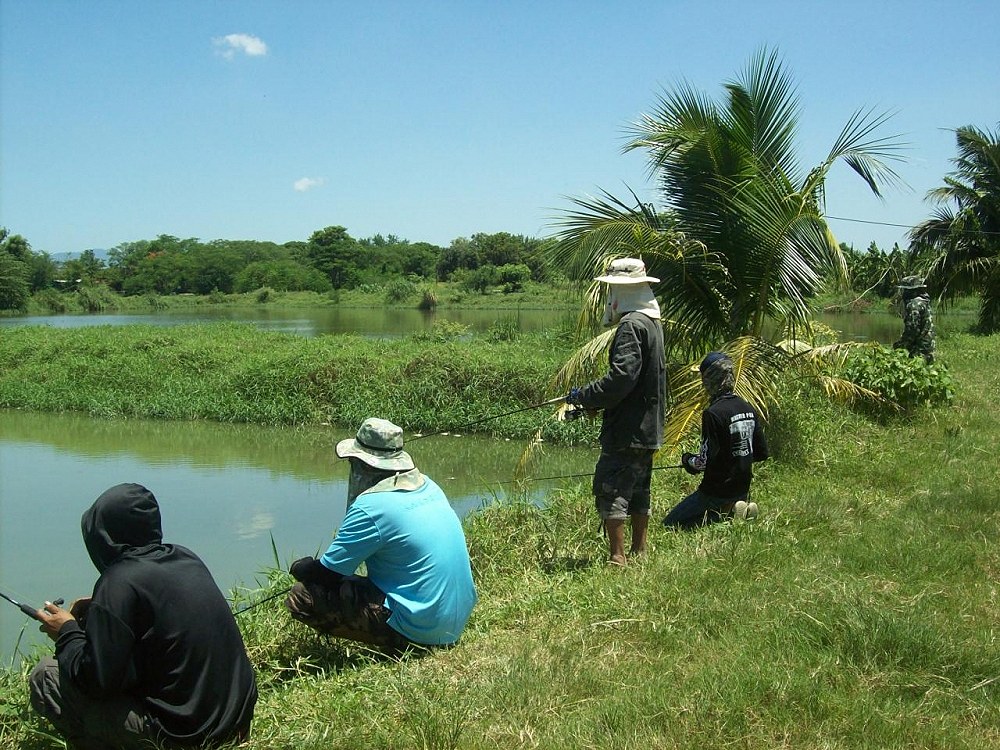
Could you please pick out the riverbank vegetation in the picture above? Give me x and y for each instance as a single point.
(858, 612)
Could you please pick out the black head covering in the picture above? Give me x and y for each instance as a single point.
(124, 519)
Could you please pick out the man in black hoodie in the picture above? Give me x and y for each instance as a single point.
(156, 654)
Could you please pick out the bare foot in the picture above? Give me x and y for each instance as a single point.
(617, 560)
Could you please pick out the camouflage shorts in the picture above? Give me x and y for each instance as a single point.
(355, 609)
(621, 483)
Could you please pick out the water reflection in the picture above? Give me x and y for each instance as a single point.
(225, 491)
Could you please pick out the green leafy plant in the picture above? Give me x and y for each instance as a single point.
(904, 382)
(399, 290)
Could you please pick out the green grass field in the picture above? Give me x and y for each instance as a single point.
(859, 611)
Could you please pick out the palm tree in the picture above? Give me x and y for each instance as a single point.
(966, 238)
(739, 241)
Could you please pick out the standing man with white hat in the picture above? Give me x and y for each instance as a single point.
(632, 395)
(419, 589)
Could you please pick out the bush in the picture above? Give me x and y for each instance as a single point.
(513, 277)
(429, 300)
(505, 329)
(481, 279)
(441, 331)
(398, 290)
(904, 381)
(52, 300)
(264, 294)
(94, 299)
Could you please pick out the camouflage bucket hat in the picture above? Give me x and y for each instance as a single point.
(911, 282)
(379, 443)
(717, 372)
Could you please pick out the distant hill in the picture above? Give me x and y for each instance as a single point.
(101, 254)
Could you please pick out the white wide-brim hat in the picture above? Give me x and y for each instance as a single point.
(627, 271)
(379, 443)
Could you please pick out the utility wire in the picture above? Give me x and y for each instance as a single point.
(904, 226)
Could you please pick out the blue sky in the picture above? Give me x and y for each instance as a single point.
(123, 120)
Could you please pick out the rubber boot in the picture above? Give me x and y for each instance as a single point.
(615, 529)
(640, 523)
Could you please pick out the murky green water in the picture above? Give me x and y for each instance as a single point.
(225, 491)
(381, 322)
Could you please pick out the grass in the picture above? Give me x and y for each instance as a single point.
(445, 295)
(230, 372)
(859, 611)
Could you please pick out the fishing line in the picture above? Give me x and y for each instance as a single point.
(575, 476)
(551, 401)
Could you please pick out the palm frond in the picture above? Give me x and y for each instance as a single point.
(866, 154)
(583, 364)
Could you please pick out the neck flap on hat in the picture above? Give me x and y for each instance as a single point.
(626, 298)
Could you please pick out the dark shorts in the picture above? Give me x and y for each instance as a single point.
(621, 483)
(354, 609)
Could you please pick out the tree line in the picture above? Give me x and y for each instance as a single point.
(329, 260)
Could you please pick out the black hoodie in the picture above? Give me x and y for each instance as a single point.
(158, 628)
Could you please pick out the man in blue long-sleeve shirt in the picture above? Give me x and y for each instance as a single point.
(418, 589)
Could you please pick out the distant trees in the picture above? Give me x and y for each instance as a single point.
(330, 259)
(14, 271)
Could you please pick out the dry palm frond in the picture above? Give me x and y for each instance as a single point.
(840, 389)
(527, 463)
(583, 363)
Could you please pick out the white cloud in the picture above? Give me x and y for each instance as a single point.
(229, 45)
(308, 183)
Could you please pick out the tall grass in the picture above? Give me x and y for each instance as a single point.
(236, 373)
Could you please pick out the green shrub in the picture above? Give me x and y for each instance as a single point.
(264, 294)
(904, 381)
(96, 299)
(154, 301)
(504, 329)
(398, 290)
(52, 300)
(441, 331)
(428, 300)
(513, 277)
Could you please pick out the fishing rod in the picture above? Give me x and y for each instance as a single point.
(247, 608)
(575, 476)
(30, 611)
(551, 401)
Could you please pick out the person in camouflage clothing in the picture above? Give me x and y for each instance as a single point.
(918, 320)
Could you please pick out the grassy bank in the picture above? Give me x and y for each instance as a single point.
(858, 612)
(397, 294)
(237, 373)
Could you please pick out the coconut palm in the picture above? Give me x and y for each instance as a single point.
(739, 240)
(966, 236)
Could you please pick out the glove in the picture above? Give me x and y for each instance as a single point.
(311, 570)
(574, 397)
(686, 459)
(304, 569)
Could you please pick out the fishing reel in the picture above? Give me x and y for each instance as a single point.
(573, 413)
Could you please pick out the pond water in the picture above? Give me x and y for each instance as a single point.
(376, 322)
(225, 491)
